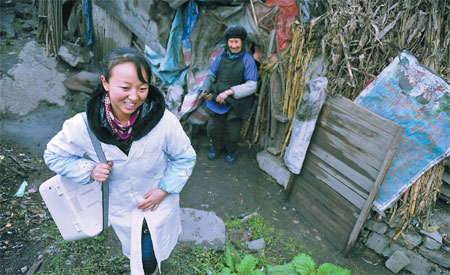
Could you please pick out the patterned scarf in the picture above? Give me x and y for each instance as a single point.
(123, 131)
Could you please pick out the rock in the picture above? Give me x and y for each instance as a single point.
(419, 265)
(410, 240)
(439, 257)
(35, 79)
(377, 242)
(395, 222)
(23, 11)
(379, 227)
(397, 261)
(74, 55)
(248, 217)
(202, 228)
(435, 235)
(273, 166)
(79, 101)
(391, 234)
(431, 243)
(393, 248)
(256, 244)
(237, 234)
(7, 23)
(365, 233)
(24, 269)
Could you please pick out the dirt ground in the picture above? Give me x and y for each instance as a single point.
(228, 190)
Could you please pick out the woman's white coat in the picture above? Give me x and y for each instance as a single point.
(131, 178)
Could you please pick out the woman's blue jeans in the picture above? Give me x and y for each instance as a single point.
(148, 255)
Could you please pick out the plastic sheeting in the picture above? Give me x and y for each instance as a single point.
(411, 95)
(304, 123)
(168, 67)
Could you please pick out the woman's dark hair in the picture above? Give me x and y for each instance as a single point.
(124, 55)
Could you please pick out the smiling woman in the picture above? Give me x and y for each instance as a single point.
(128, 116)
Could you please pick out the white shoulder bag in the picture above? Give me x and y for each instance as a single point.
(79, 211)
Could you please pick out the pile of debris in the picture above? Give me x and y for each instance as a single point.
(22, 211)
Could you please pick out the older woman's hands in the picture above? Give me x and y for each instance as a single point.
(207, 96)
(223, 95)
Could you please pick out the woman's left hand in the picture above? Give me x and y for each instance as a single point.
(223, 95)
(152, 199)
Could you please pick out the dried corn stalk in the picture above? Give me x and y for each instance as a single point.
(362, 37)
(416, 204)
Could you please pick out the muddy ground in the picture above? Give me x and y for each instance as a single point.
(228, 190)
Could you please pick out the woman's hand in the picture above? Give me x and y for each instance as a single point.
(152, 199)
(207, 96)
(223, 95)
(101, 171)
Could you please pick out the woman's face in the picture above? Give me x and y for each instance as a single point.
(235, 45)
(126, 91)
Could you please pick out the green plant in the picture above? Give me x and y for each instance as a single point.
(233, 224)
(237, 265)
(303, 264)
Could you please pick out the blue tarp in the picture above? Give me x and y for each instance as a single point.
(414, 97)
(168, 67)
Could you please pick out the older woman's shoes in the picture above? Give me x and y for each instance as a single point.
(230, 158)
(213, 153)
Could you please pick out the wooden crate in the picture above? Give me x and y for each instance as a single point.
(347, 159)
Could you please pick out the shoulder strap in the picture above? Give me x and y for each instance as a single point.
(105, 185)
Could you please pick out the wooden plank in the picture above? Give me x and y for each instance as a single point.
(150, 21)
(383, 170)
(361, 113)
(343, 169)
(319, 215)
(358, 133)
(356, 151)
(346, 155)
(325, 174)
(361, 182)
(109, 33)
(343, 210)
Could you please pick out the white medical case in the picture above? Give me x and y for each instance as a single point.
(75, 208)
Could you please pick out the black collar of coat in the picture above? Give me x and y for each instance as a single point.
(151, 113)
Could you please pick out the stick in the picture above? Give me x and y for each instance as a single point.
(254, 14)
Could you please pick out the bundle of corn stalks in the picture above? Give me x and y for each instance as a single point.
(50, 28)
(414, 208)
(362, 37)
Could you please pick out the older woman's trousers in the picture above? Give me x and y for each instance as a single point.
(224, 132)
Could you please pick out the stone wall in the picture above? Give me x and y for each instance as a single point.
(416, 250)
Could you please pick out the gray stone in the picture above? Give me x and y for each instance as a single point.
(256, 244)
(439, 257)
(35, 79)
(397, 261)
(7, 23)
(435, 235)
(419, 265)
(431, 243)
(379, 227)
(74, 55)
(273, 166)
(365, 233)
(395, 222)
(237, 234)
(393, 248)
(391, 233)
(202, 228)
(410, 240)
(377, 242)
(23, 11)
